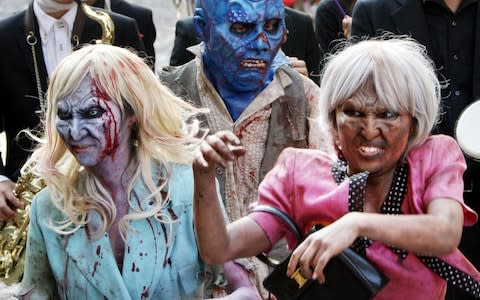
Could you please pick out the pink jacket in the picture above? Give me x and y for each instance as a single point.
(302, 185)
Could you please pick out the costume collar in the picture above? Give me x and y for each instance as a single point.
(46, 22)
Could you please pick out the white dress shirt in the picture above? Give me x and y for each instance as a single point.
(55, 35)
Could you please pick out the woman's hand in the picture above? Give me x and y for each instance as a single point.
(312, 255)
(217, 149)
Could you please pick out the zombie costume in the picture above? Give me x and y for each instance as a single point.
(313, 188)
(276, 119)
(78, 266)
(284, 105)
(240, 76)
(20, 97)
(301, 42)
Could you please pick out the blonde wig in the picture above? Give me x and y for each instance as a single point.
(400, 73)
(165, 132)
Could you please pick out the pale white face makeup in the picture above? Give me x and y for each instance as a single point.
(91, 125)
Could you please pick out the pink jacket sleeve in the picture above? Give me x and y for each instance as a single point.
(436, 170)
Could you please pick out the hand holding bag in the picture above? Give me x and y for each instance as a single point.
(348, 275)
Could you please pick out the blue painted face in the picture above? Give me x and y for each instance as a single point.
(244, 37)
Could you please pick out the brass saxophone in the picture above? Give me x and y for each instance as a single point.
(103, 18)
(13, 234)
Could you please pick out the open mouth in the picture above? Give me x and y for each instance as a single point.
(253, 64)
(370, 151)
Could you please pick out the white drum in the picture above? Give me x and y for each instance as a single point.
(467, 130)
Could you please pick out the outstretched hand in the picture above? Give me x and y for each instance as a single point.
(217, 149)
(8, 202)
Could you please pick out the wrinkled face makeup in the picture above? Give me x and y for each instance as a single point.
(91, 126)
(245, 36)
(370, 136)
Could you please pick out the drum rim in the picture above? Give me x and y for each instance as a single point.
(457, 122)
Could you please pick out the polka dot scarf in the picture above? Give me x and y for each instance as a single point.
(392, 205)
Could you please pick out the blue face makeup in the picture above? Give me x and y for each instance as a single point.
(242, 42)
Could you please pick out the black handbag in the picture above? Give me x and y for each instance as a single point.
(349, 276)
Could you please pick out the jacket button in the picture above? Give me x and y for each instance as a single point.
(219, 171)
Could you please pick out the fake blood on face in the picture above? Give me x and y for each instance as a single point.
(110, 122)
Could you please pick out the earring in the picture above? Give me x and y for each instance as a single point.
(338, 148)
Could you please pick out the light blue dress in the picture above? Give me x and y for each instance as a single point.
(78, 267)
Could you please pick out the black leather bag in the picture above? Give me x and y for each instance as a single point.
(348, 275)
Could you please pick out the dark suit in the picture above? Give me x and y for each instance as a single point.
(372, 17)
(144, 18)
(19, 97)
(301, 42)
(185, 36)
(328, 25)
